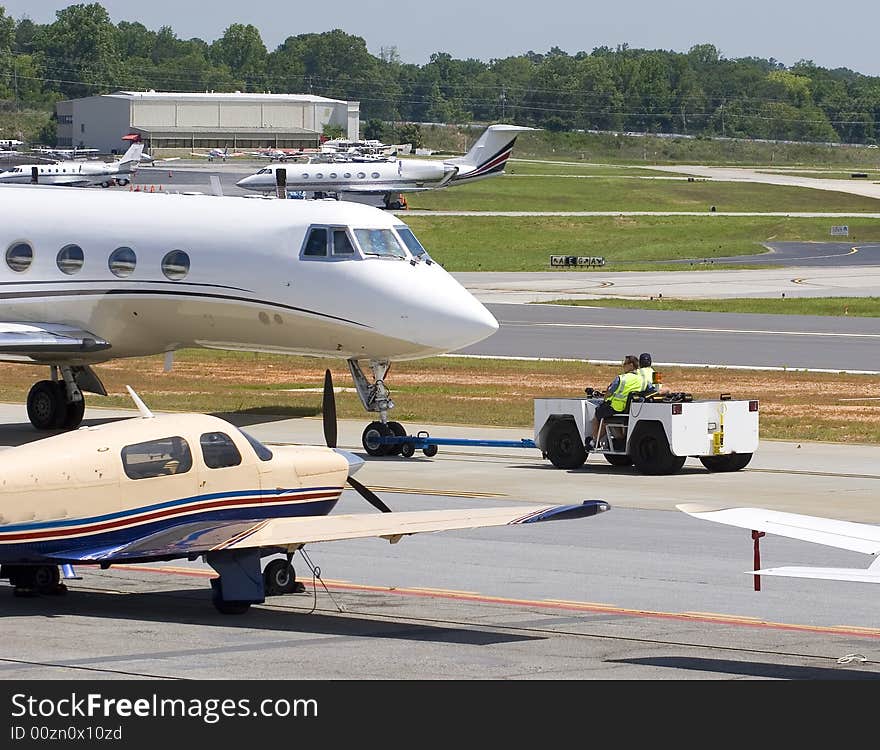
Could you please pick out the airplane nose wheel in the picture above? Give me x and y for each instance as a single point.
(370, 438)
(279, 578)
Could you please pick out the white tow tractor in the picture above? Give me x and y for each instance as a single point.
(656, 434)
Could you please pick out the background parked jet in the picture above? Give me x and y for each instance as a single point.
(486, 158)
(190, 485)
(78, 173)
(858, 537)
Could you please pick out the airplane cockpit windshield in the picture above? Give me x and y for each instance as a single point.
(413, 245)
(263, 453)
(379, 242)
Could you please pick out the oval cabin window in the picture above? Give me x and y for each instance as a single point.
(19, 256)
(175, 265)
(70, 259)
(122, 262)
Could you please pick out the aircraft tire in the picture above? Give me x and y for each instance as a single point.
(370, 439)
(74, 414)
(729, 462)
(226, 606)
(397, 430)
(279, 578)
(45, 405)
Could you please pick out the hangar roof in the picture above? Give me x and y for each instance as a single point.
(224, 96)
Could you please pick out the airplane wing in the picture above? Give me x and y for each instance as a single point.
(849, 535)
(31, 340)
(292, 533)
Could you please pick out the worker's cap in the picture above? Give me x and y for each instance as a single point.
(644, 359)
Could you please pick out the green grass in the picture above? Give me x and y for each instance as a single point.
(533, 193)
(854, 307)
(501, 243)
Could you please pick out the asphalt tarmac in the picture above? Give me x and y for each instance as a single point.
(640, 592)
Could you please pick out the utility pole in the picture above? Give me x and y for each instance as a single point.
(503, 101)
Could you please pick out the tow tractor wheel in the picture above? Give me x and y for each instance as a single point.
(617, 459)
(279, 578)
(430, 450)
(371, 436)
(398, 431)
(46, 406)
(224, 606)
(564, 446)
(728, 462)
(407, 450)
(651, 453)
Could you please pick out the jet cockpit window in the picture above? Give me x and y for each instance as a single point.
(263, 453)
(122, 261)
(412, 244)
(316, 243)
(341, 243)
(219, 451)
(70, 259)
(19, 256)
(379, 242)
(175, 265)
(157, 458)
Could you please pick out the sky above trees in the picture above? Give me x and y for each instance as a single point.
(842, 35)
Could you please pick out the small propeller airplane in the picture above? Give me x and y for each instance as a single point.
(858, 537)
(174, 486)
(217, 153)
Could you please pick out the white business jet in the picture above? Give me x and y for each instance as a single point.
(124, 274)
(78, 173)
(486, 158)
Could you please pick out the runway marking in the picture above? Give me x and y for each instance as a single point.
(682, 329)
(564, 605)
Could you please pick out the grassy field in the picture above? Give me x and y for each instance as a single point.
(525, 243)
(523, 192)
(854, 307)
(458, 390)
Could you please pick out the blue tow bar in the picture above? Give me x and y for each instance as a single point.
(427, 444)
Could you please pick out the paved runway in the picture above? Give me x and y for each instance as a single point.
(640, 592)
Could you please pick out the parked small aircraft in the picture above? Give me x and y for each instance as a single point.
(217, 153)
(486, 158)
(849, 535)
(191, 485)
(78, 173)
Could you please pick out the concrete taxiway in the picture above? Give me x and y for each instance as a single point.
(640, 592)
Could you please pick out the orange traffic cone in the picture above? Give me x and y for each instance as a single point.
(152, 188)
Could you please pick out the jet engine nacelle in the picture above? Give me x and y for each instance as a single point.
(421, 171)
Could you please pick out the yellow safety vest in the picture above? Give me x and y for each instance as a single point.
(630, 382)
(648, 374)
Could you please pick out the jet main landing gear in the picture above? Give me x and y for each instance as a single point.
(58, 403)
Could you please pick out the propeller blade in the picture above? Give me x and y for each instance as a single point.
(368, 495)
(328, 411)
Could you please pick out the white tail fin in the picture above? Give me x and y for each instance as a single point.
(489, 155)
(131, 158)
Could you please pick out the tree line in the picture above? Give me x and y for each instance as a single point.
(698, 92)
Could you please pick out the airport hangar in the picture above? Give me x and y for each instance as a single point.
(188, 122)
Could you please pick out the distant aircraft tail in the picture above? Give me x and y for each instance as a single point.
(131, 159)
(489, 155)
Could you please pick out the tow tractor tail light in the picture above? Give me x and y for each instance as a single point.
(753, 406)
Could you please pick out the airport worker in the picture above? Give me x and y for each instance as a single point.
(646, 370)
(617, 395)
